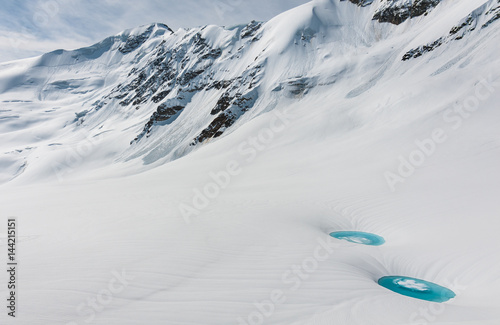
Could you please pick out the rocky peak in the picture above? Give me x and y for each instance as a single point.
(132, 42)
(398, 11)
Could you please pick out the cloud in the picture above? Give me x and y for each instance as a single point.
(33, 27)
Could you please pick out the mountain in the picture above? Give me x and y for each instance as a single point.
(211, 163)
(161, 94)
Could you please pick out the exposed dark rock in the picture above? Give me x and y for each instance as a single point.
(204, 50)
(361, 3)
(466, 23)
(299, 86)
(212, 54)
(251, 29)
(163, 113)
(244, 102)
(216, 127)
(126, 102)
(160, 96)
(419, 51)
(496, 16)
(188, 76)
(395, 12)
(134, 41)
(194, 88)
(138, 80)
(221, 84)
(138, 101)
(230, 109)
(222, 104)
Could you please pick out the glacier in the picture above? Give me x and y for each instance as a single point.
(194, 176)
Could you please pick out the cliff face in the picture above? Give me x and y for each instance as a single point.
(398, 11)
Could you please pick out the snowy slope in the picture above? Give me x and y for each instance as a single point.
(324, 118)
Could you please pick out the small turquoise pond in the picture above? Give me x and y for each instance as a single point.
(359, 237)
(416, 288)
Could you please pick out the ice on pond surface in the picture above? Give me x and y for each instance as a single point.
(416, 288)
(412, 285)
(359, 237)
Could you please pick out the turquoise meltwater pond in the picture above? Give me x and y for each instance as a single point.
(359, 237)
(416, 288)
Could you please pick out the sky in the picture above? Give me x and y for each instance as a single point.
(33, 27)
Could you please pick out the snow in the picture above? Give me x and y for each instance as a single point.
(293, 169)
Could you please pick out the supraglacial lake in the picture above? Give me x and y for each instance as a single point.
(359, 237)
(416, 288)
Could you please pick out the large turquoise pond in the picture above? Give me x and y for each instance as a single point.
(416, 288)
